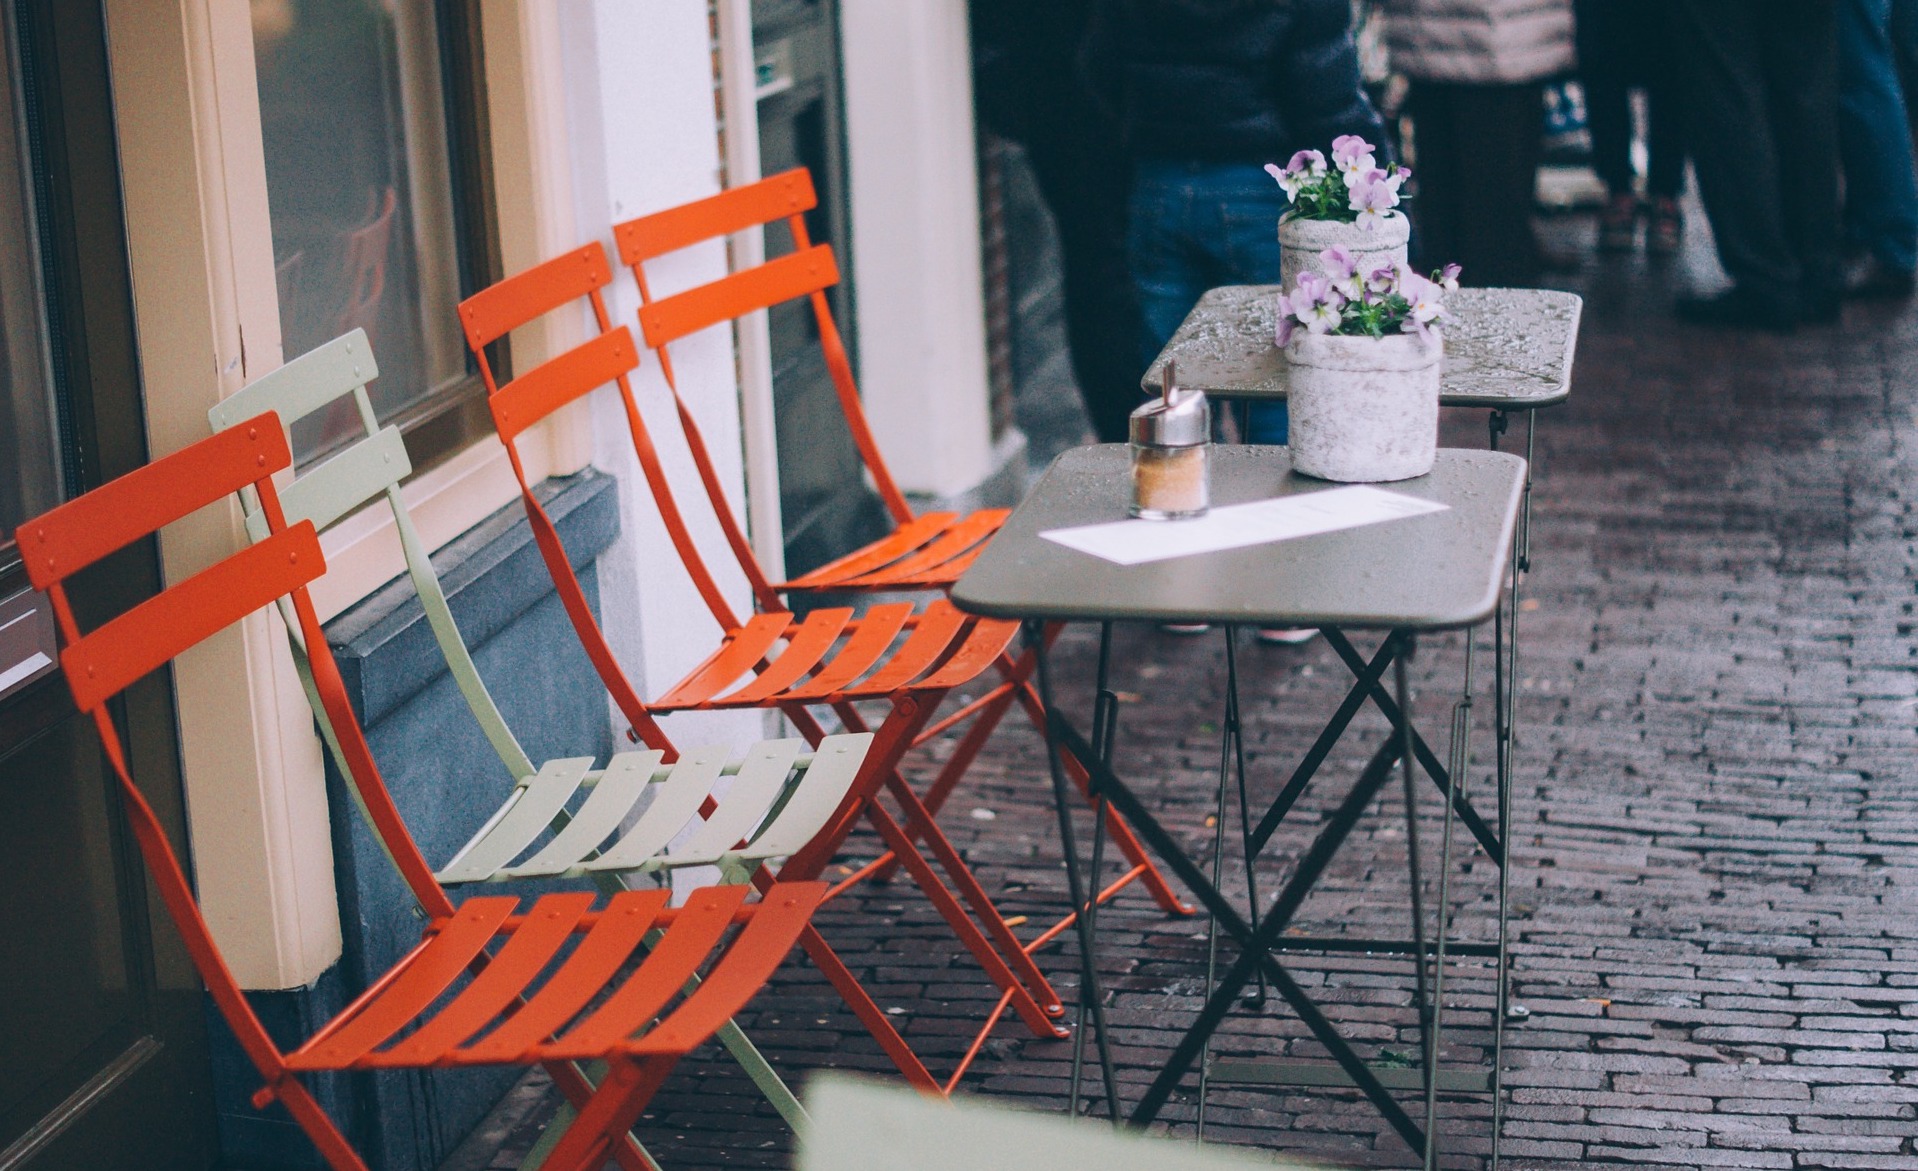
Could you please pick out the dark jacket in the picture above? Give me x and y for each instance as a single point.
(1229, 80)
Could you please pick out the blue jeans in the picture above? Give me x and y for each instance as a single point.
(1881, 192)
(1195, 226)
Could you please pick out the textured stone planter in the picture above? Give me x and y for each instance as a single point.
(1364, 409)
(1301, 241)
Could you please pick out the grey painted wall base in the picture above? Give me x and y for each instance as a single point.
(446, 780)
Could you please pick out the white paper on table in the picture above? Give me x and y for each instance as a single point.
(1134, 542)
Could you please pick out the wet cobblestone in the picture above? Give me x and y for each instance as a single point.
(1715, 872)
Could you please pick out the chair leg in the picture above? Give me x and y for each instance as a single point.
(868, 1011)
(578, 1089)
(891, 739)
(919, 823)
(1011, 954)
(984, 723)
(319, 1127)
(1037, 1018)
(609, 1115)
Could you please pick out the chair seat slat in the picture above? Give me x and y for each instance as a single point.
(807, 645)
(608, 803)
(545, 928)
(938, 626)
(536, 802)
(628, 916)
(874, 636)
(741, 651)
(835, 764)
(754, 956)
(669, 964)
(431, 973)
(900, 542)
(753, 794)
(957, 539)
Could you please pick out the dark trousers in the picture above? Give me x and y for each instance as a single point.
(1764, 138)
(1478, 152)
(1087, 187)
(1626, 44)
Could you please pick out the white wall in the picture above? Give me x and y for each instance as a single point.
(643, 132)
(915, 236)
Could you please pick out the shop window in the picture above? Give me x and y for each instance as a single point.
(373, 118)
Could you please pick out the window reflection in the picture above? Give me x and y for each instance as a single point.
(353, 113)
(29, 427)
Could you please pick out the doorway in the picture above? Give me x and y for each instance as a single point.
(101, 1016)
(824, 499)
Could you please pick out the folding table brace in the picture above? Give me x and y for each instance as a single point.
(1259, 944)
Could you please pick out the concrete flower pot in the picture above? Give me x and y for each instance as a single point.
(1364, 409)
(1301, 241)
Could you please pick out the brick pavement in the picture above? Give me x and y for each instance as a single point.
(1717, 806)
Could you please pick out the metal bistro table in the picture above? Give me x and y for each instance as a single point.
(1432, 572)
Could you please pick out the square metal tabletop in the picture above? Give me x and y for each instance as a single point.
(1430, 572)
(1505, 348)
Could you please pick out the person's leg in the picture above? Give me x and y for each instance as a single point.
(1604, 69)
(1086, 186)
(1734, 156)
(1245, 251)
(1881, 192)
(1442, 145)
(1799, 40)
(1167, 268)
(1492, 208)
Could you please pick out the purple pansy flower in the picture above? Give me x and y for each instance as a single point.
(1353, 157)
(1287, 323)
(1371, 198)
(1342, 270)
(1448, 278)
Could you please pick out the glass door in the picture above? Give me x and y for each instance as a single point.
(102, 1031)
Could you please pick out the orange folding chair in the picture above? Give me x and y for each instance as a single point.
(923, 552)
(775, 660)
(492, 982)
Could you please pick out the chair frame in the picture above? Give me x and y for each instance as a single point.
(923, 552)
(829, 658)
(793, 795)
(520, 1025)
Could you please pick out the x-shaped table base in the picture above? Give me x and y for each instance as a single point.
(1404, 747)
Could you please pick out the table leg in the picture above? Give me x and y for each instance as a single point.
(1231, 760)
(1091, 997)
(1428, 1053)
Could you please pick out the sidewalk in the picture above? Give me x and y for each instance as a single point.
(1715, 875)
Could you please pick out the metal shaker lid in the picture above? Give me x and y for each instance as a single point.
(1178, 418)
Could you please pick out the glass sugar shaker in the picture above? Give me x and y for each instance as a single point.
(1171, 453)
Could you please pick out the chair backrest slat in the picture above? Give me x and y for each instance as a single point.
(493, 313)
(304, 385)
(788, 193)
(344, 481)
(107, 660)
(80, 532)
(547, 387)
(793, 275)
(367, 470)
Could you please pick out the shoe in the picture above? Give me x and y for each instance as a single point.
(1617, 224)
(1667, 231)
(1285, 636)
(1185, 628)
(1738, 308)
(1873, 279)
